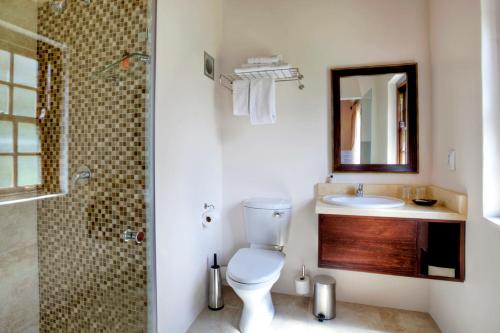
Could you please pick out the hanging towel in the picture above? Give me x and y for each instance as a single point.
(262, 104)
(241, 92)
(265, 60)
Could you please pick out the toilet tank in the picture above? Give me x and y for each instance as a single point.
(267, 221)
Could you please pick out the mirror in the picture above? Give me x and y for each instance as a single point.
(375, 119)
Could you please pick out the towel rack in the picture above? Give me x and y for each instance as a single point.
(279, 75)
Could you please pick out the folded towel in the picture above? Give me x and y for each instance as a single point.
(262, 105)
(241, 92)
(274, 65)
(441, 271)
(258, 68)
(265, 60)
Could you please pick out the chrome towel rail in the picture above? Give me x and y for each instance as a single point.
(279, 75)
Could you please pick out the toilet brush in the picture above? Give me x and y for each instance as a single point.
(215, 299)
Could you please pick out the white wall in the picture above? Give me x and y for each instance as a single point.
(188, 158)
(288, 158)
(379, 119)
(456, 89)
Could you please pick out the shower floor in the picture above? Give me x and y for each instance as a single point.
(293, 315)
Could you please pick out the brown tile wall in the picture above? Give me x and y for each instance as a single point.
(90, 280)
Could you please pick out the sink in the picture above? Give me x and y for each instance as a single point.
(367, 201)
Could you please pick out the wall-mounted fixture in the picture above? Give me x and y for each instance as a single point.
(59, 6)
(279, 75)
(375, 119)
(210, 215)
(118, 69)
(209, 65)
(452, 160)
(394, 246)
(136, 236)
(82, 175)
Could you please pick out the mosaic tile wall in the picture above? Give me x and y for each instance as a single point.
(90, 280)
(50, 115)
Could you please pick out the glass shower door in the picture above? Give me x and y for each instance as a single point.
(75, 135)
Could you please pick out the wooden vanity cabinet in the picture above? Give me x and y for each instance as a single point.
(394, 246)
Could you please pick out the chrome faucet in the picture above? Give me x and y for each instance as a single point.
(359, 190)
(82, 175)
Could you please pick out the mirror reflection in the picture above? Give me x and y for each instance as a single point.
(374, 119)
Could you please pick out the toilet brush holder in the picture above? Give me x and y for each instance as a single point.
(215, 299)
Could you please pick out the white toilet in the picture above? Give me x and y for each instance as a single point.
(252, 272)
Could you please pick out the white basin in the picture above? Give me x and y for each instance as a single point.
(367, 201)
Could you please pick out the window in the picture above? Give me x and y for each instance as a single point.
(20, 149)
(491, 110)
(402, 121)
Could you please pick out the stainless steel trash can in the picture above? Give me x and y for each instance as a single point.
(324, 303)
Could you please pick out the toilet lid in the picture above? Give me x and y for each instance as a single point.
(255, 265)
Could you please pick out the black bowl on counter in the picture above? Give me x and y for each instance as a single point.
(425, 202)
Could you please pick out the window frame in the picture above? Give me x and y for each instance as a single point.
(15, 120)
(490, 79)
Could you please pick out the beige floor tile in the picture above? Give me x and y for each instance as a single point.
(19, 222)
(417, 322)
(291, 314)
(294, 315)
(18, 289)
(31, 329)
(222, 321)
(230, 298)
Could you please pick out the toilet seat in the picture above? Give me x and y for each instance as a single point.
(253, 266)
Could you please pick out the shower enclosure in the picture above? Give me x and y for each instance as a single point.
(76, 114)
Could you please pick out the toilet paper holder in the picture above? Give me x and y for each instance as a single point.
(209, 215)
(208, 206)
(302, 283)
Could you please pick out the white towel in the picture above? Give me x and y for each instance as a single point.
(241, 93)
(265, 60)
(256, 68)
(262, 104)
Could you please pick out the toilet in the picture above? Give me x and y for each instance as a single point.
(252, 271)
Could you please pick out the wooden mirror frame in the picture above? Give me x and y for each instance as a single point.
(412, 79)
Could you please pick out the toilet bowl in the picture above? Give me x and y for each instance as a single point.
(251, 273)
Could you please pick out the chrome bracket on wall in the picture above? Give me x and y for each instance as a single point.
(82, 175)
(136, 236)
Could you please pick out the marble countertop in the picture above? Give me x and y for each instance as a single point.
(410, 210)
(451, 206)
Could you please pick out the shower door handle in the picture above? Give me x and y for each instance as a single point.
(136, 236)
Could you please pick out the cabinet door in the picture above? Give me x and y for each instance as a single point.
(370, 244)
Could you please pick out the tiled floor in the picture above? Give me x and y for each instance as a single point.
(293, 315)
